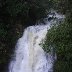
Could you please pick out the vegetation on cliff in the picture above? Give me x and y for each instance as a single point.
(60, 38)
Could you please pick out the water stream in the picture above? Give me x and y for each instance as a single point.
(29, 55)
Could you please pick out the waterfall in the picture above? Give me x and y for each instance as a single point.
(29, 55)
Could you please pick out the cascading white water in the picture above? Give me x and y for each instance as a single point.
(29, 56)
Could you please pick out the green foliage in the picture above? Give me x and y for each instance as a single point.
(60, 38)
(64, 7)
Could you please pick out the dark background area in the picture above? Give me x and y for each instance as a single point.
(15, 16)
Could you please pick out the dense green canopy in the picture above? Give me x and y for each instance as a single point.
(60, 38)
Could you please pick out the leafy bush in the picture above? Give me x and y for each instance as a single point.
(60, 38)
